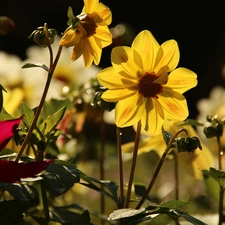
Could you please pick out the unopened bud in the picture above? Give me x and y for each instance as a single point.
(43, 39)
(6, 25)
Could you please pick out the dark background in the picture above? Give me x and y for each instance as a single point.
(197, 26)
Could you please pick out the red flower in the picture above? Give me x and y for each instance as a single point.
(11, 171)
(7, 130)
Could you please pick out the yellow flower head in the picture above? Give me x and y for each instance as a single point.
(89, 32)
(145, 84)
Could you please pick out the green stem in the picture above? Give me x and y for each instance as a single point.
(145, 196)
(50, 74)
(45, 200)
(134, 159)
(220, 153)
(102, 171)
(221, 205)
(120, 163)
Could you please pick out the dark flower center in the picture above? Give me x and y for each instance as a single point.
(147, 87)
(88, 23)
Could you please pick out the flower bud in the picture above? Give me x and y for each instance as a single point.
(6, 25)
(188, 144)
(40, 37)
(213, 131)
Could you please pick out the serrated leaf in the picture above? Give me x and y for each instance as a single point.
(60, 177)
(30, 65)
(52, 121)
(28, 115)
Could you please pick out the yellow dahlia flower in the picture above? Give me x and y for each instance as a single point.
(145, 84)
(89, 32)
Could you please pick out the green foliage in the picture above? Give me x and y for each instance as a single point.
(30, 65)
(45, 131)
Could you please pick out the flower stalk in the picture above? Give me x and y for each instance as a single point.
(134, 159)
(48, 82)
(155, 175)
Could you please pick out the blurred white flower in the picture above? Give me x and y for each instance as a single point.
(68, 75)
(28, 84)
(213, 105)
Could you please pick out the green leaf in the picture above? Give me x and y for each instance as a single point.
(189, 218)
(191, 122)
(70, 16)
(30, 65)
(110, 185)
(5, 115)
(53, 105)
(218, 175)
(26, 194)
(28, 115)
(60, 177)
(124, 213)
(173, 204)
(51, 122)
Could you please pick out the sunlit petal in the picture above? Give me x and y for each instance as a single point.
(182, 80)
(123, 60)
(90, 5)
(171, 56)
(104, 35)
(129, 111)
(116, 95)
(105, 13)
(152, 119)
(109, 78)
(147, 46)
(174, 105)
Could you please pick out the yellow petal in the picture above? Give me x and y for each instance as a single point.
(124, 60)
(77, 51)
(90, 6)
(70, 38)
(110, 79)
(97, 51)
(171, 56)
(104, 13)
(116, 95)
(129, 111)
(174, 105)
(152, 119)
(104, 35)
(147, 46)
(88, 53)
(182, 79)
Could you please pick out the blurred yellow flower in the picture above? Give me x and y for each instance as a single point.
(90, 33)
(194, 162)
(145, 84)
